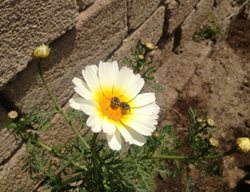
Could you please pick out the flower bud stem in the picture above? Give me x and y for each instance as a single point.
(58, 107)
(227, 153)
(200, 130)
(95, 161)
(179, 157)
(49, 149)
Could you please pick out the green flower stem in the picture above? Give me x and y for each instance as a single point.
(77, 177)
(179, 157)
(103, 163)
(164, 156)
(58, 107)
(44, 146)
(200, 130)
(95, 160)
(47, 148)
(217, 156)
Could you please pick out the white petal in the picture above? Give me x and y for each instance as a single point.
(135, 85)
(131, 136)
(114, 141)
(95, 122)
(129, 83)
(143, 99)
(108, 127)
(94, 68)
(124, 75)
(146, 120)
(91, 78)
(151, 110)
(81, 88)
(87, 106)
(108, 72)
(124, 132)
(138, 139)
(138, 127)
(74, 103)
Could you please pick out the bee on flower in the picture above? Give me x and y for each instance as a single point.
(110, 97)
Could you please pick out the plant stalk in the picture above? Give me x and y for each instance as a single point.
(95, 161)
(47, 148)
(58, 107)
(217, 156)
(179, 157)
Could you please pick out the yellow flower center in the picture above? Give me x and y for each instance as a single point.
(106, 107)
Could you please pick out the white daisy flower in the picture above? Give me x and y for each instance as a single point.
(111, 99)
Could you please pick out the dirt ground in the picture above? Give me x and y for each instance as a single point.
(211, 75)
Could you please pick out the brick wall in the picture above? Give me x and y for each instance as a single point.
(79, 32)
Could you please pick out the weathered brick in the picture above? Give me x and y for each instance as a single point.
(139, 11)
(151, 31)
(178, 12)
(25, 25)
(99, 31)
(12, 176)
(197, 17)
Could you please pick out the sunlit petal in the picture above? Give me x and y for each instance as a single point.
(114, 141)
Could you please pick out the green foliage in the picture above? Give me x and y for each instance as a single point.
(209, 31)
(197, 139)
(130, 170)
(214, 169)
(195, 146)
(87, 164)
(140, 168)
(77, 117)
(35, 160)
(28, 126)
(71, 166)
(140, 63)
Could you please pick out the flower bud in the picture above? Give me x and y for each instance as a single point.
(210, 122)
(156, 134)
(12, 115)
(213, 142)
(200, 120)
(143, 42)
(243, 144)
(41, 52)
(141, 57)
(150, 46)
